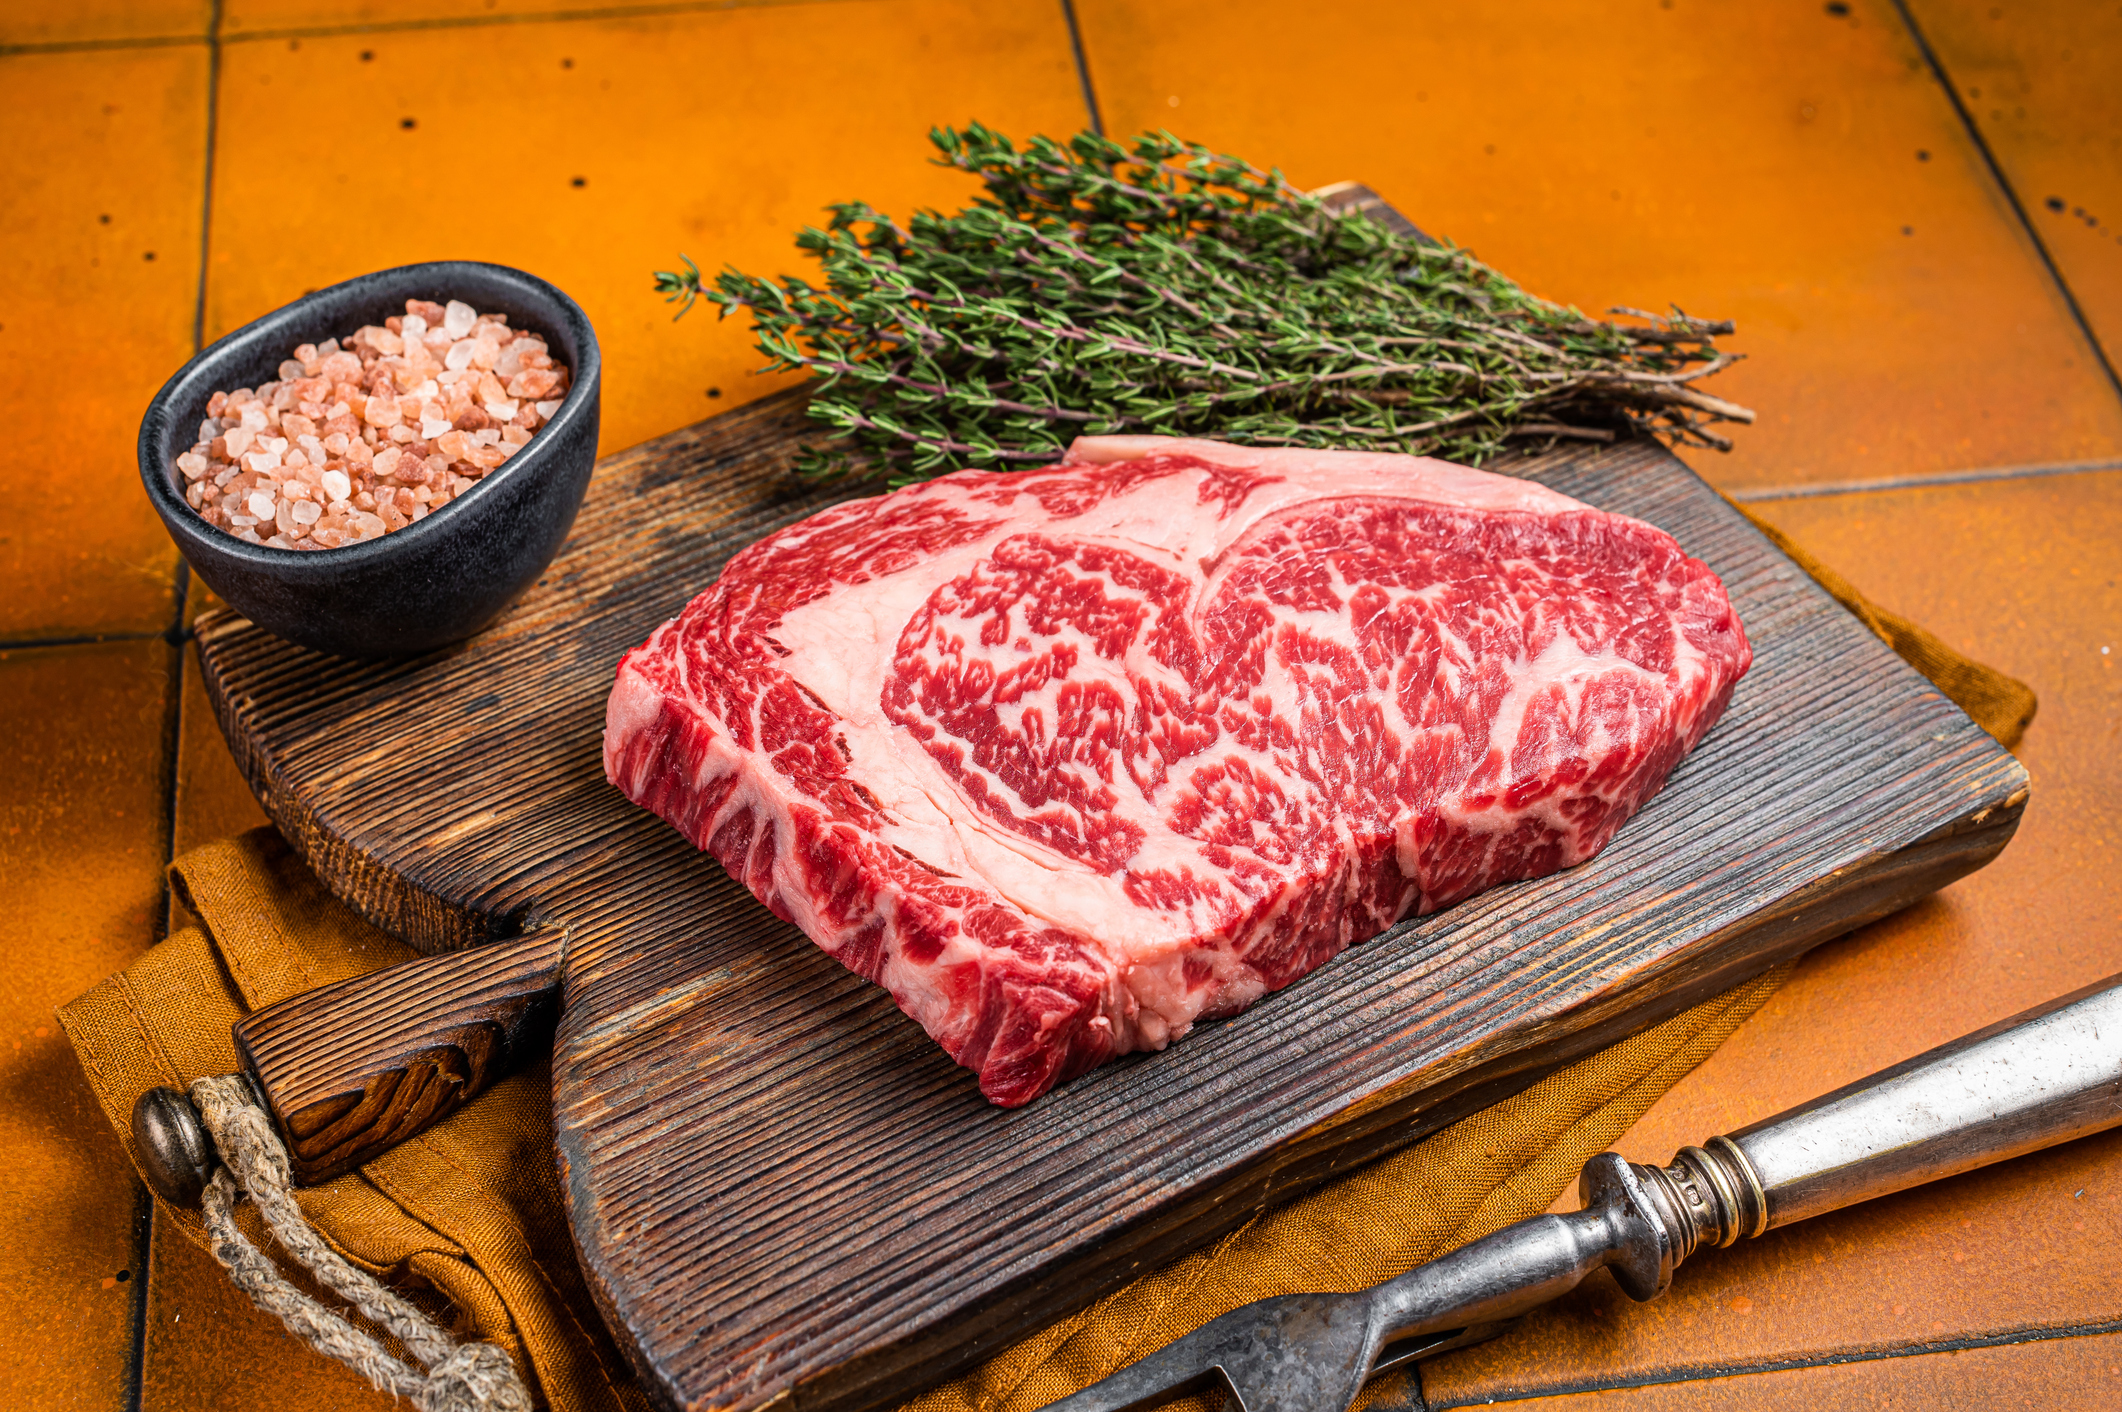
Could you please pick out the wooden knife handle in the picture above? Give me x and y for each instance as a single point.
(352, 1069)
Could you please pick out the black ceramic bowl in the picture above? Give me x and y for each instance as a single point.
(431, 583)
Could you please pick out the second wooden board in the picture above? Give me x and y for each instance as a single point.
(782, 1190)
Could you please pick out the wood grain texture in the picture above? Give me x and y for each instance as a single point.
(781, 1188)
(352, 1069)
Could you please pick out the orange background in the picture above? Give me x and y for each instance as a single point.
(1913, 211)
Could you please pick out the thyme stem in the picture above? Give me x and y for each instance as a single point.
(1096, 287)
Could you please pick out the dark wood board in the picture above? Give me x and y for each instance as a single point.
(783, 1190)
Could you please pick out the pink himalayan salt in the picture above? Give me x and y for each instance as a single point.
(360, 439)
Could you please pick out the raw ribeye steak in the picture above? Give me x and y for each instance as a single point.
(1070, 759)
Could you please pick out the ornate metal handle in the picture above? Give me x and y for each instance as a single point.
(2042, 1077)
(2039, 1078)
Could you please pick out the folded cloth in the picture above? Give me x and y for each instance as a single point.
(469, 1215)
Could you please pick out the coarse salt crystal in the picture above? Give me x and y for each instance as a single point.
(270, 459)
(546, 409)
(533, 383)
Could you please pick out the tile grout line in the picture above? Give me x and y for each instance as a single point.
(1075, 44)
(258, 36)
(1680, 1377)
(144, 1220)
(97, 46)
(143, 1242)
(2011, 193)
(91, 639)
(206, 193)
(1982, 476)
(173, 712)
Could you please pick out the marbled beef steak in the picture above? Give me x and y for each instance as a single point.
(1067, 760)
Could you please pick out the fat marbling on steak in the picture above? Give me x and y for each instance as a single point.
(1069, 759)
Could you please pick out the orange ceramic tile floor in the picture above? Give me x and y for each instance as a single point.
(1912, 209)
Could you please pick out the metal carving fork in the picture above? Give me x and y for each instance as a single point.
(2040, 1078)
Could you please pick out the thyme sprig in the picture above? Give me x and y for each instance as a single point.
(1161, 287)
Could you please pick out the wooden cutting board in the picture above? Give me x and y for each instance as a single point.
(782, 1189)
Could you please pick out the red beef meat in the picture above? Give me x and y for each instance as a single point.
(1068, 760)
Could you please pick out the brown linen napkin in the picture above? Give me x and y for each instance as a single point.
(471, 1212)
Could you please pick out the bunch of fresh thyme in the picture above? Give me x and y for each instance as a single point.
(1162, 288)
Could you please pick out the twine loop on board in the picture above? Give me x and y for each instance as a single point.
(471, 1377)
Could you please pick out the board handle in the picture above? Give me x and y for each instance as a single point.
(350, 1070)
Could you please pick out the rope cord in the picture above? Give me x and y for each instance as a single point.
(472, 1377)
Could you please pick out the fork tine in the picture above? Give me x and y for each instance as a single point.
(1179, 1367)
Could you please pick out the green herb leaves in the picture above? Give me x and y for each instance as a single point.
(1159, 287)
